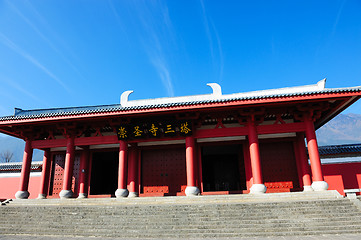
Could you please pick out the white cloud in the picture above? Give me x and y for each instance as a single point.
(7, 42)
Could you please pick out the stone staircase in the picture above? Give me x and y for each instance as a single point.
(227, 216)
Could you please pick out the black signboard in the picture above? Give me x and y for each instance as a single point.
(154, 130)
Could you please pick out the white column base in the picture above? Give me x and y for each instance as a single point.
(258, 189)
(119, 193)
(65, 194)
(192, 191)
(83, 195)
(41, 196)
(307, 189)
(22, 194)
(133, 194)
(319, 186)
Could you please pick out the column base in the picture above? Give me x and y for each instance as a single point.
(319, 186)
(307, 189)
(41, 196)
(192, 191)
(133, 194)
(22, 194)
(119, 193)
(258, 189)
(65, 194)
(83, 195)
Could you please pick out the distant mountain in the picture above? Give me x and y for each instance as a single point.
(343, 129)
(16, 146)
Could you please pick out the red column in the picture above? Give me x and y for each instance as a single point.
(258, 186)
(303, 163)
(122, 190)
(45, 174)
(318, 182)
(192, 188)
(200, 170)
(83, 173)
(247, 166)
(68, 170)
(25, 172)
(133, 172)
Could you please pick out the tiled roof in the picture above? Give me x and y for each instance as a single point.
(340, 149)
(16, 166)
(54, 112)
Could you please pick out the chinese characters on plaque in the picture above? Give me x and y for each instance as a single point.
(154, 130)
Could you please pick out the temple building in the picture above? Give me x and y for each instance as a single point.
(216, 143)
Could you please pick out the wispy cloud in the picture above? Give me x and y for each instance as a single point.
(220, 62)
(220, 52)
(117, 18)
(20, 89)
(164, 75)
(337, 18)
(159, 36)
(7, 42)
(42, 36)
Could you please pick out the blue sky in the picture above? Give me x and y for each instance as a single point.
(76, 53)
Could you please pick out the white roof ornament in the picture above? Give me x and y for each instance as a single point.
(217, 95)
(217, 90)
(124, 98)
(322, 84)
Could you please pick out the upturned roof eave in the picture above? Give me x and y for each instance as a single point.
(178, 107)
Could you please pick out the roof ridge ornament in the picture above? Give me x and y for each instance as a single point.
(217, 90)
(322, 84)
(124, 98)
(17, 111)
(217, 93)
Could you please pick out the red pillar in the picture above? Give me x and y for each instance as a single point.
(247, 166)
(83, 173)
(258, 186)
(192, 188)
(68, 170)
(318, 182)
(200, 170)
(122, 190)
(133, 172)
(303, 163)
(25, 172)
(45, 175)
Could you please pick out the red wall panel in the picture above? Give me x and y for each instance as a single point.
(10, 185)
(342, 176)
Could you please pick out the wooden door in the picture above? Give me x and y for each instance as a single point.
(163, 171)
(58, 175)
(279, 168)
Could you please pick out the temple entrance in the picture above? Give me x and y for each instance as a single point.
(223, 168)
(104, 173)
(163, 172)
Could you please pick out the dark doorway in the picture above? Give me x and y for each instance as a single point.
(104, 174)
(223, 168)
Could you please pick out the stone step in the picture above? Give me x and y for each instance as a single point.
(175, 225)
(270, 197)
(192, 232)
(264, 206)
(182, 217)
